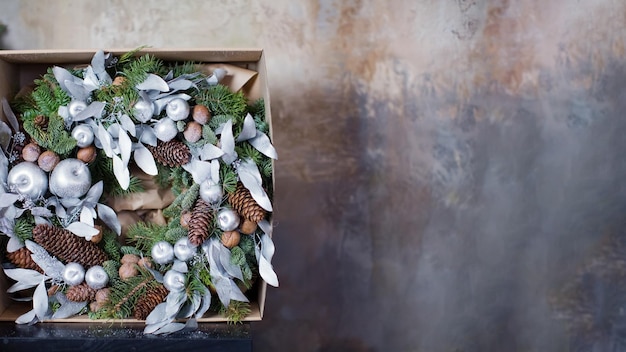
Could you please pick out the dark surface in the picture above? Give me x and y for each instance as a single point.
(52, 337)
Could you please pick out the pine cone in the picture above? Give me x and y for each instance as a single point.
(67, 247)
(146, 302)
(81, 293)
(200, 222)
(41, 121)
(245, 205)
(22, 259)
(173, 153)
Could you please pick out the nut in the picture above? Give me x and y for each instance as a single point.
(128, 270)
(48, 160)
(230, 238)
(193, 132)
(102, 295)
(130, 259)
(248, 227)
(201, 114)
(87, 154)
(31, 152)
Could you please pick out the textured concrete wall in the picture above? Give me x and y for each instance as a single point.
(445, 166)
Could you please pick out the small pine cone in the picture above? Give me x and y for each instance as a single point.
(173, 153)
(146, 303)
(41, 121)
(245, 205)
(68, 247)
(200, 222)
(22, 259)
(81, 293)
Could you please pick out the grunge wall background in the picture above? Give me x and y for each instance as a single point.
(445, 167)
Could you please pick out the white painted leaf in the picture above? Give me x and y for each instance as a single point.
(41, 221)
(199, 170)
(50, 265)
(108, 216)
(157, 314)
(26, 278)
(180, 84)
(247, 165)
(170, 328)
(5, 136)
(4, 171)
(41, 211)
(206, 304)
(249, 129)
(152, 328)
(97, 62)
(128, 124)
(148, 136)
(62, 75)
(85, 217)
(126, 146)
(81, 229)
(64, 112)
(180, 266)
(27, 318)
(145, 160)
(94, 109)
(215, 171)
(227, 142)
(262, 143)
(174, 301)
(8, 199)
(9, 115)
(40, 301)
(265, 227)
(267, 272)
(256, 191)
(90, 81)
(14, 244)
(94, 193)
(68, 309)
(77, 90)
(105, 139)
(121, 172)
(153, 82)
(267, 247)
(209, 152)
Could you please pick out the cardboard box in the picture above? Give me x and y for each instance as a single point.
(20, 67)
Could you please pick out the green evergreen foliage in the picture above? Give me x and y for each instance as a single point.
(229, 178)
(174, 234)
(257, 110)
(218, 120)
(102, 170)
(238, 257)
(247, 151)
(145, 235)
(111, 245)
(236, 311)
(130, 250)
(265, 167)
(221, 101)
(180, 125)
(112, 267)
(185, 68)
(124, 295)
(190, 197)
(137, 70)
(23, 227)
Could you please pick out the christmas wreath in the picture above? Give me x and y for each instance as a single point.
(84, 139)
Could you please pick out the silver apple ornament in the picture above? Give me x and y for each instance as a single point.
(28, 179)
(211, 192)
(177, 109)
(165, 129)
(75, 107)
(71, 178)
(83, 134)
(184, 250)
(96, 277)
(227, 219)
(143, 110)
(174, 281)
(162, 252)
(73, 274)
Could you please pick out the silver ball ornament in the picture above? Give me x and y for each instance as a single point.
(143, 110)
(71, 178)
(211, 192)
(162, 252)
(227, 219)
(28, 179)
(73, 274)
(184, 250)
(96, 277)
(76, 107)
(174, 281)
(177, 109)
(83, 135)
(165, 129)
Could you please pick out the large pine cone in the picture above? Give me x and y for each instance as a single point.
(173, 153)
(22, 259)
(200, 222)
(68, 247)
(245, 205)
(81, 293)
(146, 303)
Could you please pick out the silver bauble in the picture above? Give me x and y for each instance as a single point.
(83, 135)
(227, 219)
(73, 274)
(143, 110)
(162, 252)
(174, 281)
(28, 179)
(76, 107)
(165, 129)
(96, 277)
(211, 192)
(177, 109)
(70, 179)
(184, 250)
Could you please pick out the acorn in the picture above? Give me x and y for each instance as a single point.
(87, 154)
(230, 238)
(128, 270)
(248, 227)
(145, 262)
(31, 152)
(201, 114)
(48, 160)
(97, 238)
(193, 132)
(130, 259)
(184, 219)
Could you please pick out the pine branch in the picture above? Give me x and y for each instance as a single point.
(236, 311)
(221, 101)
(229, 178)
(111, 245)
(23, 227)
(145, 235)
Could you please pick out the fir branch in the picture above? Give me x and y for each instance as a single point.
(236, 311)
(247, 151)
(162, 178)
(23, 227)
(174, 234)
(145, 235)
(186, 68)
(111, 245)
(129, 56)
(229, 178)
(137, 70)
(124, 295)
(209, 135)
(130, 250)
(265, 167)
(190, 197)
(221, 101)
(112, 267)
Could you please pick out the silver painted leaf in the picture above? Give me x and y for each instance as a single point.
(85, 217)
(215, 171)
(267, 272)
(77, 90)
(64, 112)
(7, 224)
(153, 82)
(26, 278)
(180, 84)
(40, 301)
(227, 142)
(4, 171)
(94, 193)
(185, 311)
(97, 63)
(10, 115)
(248, 166)
(157, 275)
(62, 75)
(41, 211)
(94, 109)
(249, 129)
(174, 301)
(209, 152)
(152, 328)
(206, 304)
(81, 229)
(50, 265)
(169, 75)
(265, 227)
(105, 139)
(126, 146)
(157, 314)
(121, 172)
(231, 269)
(147, 136)
(5, 136)
(90, 81)
(145, 160)
(267, 247)
(108, 216)
(261, 142)
(68, 308)
(180, 266)
(199, 170)
(256, 191)
(228, 290)
(128, 124)
(70, 202)
(8, 199)
(14, 244)
(42, 221)
(27, 318)
(170, 328)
